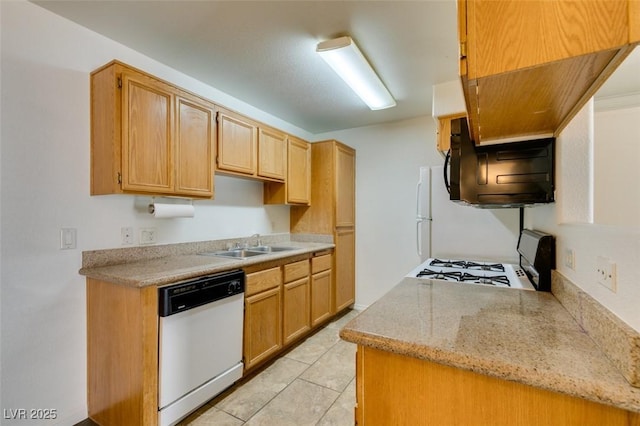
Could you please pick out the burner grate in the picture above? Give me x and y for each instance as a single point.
(495, 267)
(491, 280)
(440, 275)
(449, 263)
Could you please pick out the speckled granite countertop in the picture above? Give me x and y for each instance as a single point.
(179, 264)
(522, 336)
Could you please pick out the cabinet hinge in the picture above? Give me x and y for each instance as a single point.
(463, 49)
(119, 82)
(119, 178)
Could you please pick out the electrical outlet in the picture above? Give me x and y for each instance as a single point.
(147, 235)
(606, 273)
(126, 234)
(570, 259)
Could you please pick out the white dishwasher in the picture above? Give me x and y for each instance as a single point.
(200, 346)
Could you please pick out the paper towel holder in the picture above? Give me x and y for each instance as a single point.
(170, 211)
(144, 204)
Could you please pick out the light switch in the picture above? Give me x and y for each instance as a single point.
(68, 238)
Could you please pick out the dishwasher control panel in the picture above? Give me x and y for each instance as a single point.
(186, 295)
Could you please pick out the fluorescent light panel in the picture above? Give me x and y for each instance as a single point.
(349, 63)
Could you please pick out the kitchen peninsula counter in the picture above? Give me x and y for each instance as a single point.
(517, 336)
(160, 265)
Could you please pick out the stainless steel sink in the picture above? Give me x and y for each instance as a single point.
(235, 254)
(247, 252)
(270, 249)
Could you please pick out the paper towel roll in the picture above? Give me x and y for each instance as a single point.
(171, 210)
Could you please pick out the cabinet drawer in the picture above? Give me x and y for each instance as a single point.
(262, 280)
(320, 263)
(295, 271)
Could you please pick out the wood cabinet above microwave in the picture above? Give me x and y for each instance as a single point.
(527, 67)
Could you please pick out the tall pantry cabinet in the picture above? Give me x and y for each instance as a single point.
(332, 212)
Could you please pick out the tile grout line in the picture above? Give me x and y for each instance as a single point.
(282, 390)
(332, 327)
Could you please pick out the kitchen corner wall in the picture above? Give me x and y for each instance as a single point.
(570, 220)
(387, 161)
(44, 152)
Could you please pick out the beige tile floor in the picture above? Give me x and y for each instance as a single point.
(313, 384)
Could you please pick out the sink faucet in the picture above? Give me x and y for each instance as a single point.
(257, 237)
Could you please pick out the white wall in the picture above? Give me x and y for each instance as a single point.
(44, 167)
(570, 221)
(616, 172)
(387, 161)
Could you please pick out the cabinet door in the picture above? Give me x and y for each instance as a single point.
(237, 144)
(505, 36)
(345, 186)
(147, 117)
(262, 326)
(296, 270)
(345, 285)
(296, 301)
(299, 172)
(195, 131)
(444, 131)
(272, 154)
(320, 297)
(528, 67)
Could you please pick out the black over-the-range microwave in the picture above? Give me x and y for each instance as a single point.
(513, 174)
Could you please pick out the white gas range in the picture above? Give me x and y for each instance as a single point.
(537, 258)
(473, 272)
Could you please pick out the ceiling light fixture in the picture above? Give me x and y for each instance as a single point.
(349, 63)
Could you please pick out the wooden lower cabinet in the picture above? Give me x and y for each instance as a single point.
(262, 316)
(345, 287)
(283, 303)
(296, 319)
(321, 294)
(400, 390)
(122, 354)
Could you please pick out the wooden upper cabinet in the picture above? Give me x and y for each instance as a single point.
(246, 148)
(297, 187)
(345, 186)
(148, 136)
(195, 133)
(272, 154)
(299, 171)
(528, 67)
(332, 192)
(147, 140)
(237, 144)
(443, 137)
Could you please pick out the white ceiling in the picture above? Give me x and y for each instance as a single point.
(263, 52)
